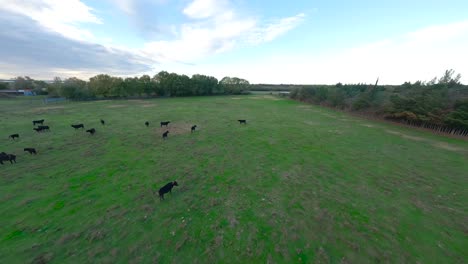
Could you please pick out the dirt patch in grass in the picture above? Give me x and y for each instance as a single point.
(449, 147)
(335, 131)
(405, 135)
(233, 222)
(176, 129)
(437, 144)
(304, 107)
(43, 258)
(236, 98)
(312, 123)
(68, 237)
(329, 115)
(115, 106)
(46, 108)
(147, 105)
(367, 125)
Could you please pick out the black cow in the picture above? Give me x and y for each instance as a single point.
(13, 136)
(193, 128)
(7, 157)
(103, 122)
(38, 122)
(78, 126)
(166, 188)
(165, 123)
(147, 124)
(38, 129)
(165, 134)
(242, 121)
(45, 128)
(31, 150)
(91, 131)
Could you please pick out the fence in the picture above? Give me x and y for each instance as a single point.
(54, 100)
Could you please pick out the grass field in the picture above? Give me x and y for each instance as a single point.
(298, 184)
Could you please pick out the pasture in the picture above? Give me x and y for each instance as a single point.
(297, 184)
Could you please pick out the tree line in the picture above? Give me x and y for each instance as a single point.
(440, 104)
(163, 84)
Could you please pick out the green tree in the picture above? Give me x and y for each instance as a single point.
(449, 79)
(459, 117)
(55, 88)
(146, 85)
(101, 85)
(234, 85)
(4, 86)
(118, 87)
(130, 86)
(74, 88)
(21, 83)
(203, 85)
(161, 83)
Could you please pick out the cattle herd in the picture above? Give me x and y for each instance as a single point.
(44, 128)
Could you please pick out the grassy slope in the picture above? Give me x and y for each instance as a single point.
(298, 183)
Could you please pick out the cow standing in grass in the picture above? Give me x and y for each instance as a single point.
(91, 131)
(78, 126)
(164, 135)
(166, 123)
(147, 124)
(7, 157)
(44, 128)
(103, 122)
(13, 136)
(167, 189)
(242, 121)
(35, 122)
(31, 150)
(193, 128)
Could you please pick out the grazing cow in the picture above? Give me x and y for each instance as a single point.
(45, 128)
(38, 122)
(242, 121)
(193, 128)
(91, 131)
(147, 124)
(13, 136)
(7, 157)
(166, 188)
(165, 134)
(38, 129)
(165, 123)
(78, 126)
(3, 157)
(102, 122)
(31, 150)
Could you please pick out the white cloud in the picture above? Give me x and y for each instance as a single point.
(27, 49)
(61, 16)
(130, 7)
(275, 29)
(199, 9)
(419, 55)
(216, 27)
(127, 6)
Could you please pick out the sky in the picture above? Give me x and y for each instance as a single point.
(275, 42)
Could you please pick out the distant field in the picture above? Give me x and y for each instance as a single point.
(297, 184)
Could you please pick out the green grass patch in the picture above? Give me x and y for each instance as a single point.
(297, 184)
